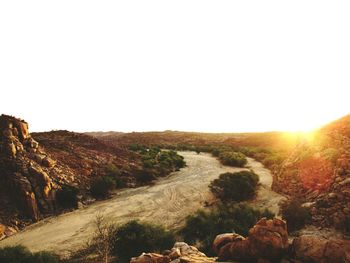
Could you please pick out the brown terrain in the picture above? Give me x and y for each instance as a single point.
(34, 166)
(314, 168)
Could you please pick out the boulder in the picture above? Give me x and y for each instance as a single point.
(223, 239)
(267, 240)
(316, 249)
(150, 258)
(48, 162)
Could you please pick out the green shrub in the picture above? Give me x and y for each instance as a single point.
(233, 159)
(145, 176)
(238, 186)
(133, 238)
(112, 170)
(101, 186)
(202, 227)
(67, 196)
(295, 214)
(20, 254)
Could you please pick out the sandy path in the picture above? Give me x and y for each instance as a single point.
(168, 202)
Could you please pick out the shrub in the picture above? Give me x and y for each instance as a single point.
(67, 196)
(295, 214)
(111, 170)
(20, 254)
(133, 238)
(238, 186)
(101, 186)
(202, 227)
(233, 158)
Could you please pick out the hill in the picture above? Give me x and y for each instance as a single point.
(34, 167)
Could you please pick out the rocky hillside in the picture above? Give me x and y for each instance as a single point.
(318, 170)
(34, 167)
(266, 242)
(86, 156)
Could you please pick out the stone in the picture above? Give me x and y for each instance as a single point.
(150, 258)
(316, 249)
(9, 231)
(186, 249)
(267, 240)
(175, 253)
(48, 162)
(223, 239)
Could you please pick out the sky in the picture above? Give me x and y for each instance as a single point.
(210, 66)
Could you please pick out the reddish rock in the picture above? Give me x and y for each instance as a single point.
(316, 249)
(267, 240)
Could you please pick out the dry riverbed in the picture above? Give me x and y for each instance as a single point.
(168, 202)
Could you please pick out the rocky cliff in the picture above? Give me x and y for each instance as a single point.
(33, 167)
(318, 170)
(26, 171)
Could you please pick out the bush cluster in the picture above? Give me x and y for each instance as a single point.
(202, 227)
(295, 214)
(239, 186)
(20, 254)
(157, 162)
(233, 158)
(133, 238)
(110, 179)
(101, 186)
(67, 196)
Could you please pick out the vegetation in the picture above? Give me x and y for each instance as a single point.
(236, 187)
(233, 159)
(156, 162)
(295, 214)
(202, 227)
(67, 196)
(133, 238)
(101, 186)
(113, 172)
(20, 254)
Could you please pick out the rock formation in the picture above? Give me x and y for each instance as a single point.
(318, 171)
(180, 253)
(267, 240)
(22, 168)
(315, 249)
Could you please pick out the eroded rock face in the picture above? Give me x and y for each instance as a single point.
(267, 240)
(315, 249)
(21, 161)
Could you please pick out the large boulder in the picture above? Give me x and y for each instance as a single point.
(316, 249)
(267, 240)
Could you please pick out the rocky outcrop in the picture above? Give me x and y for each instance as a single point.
(315, 249)
(21, 168)
(318, 171)
(180, 253)
(267, 240)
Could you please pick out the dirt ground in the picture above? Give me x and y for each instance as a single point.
(168, 202)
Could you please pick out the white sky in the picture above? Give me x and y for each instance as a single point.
(217, 66)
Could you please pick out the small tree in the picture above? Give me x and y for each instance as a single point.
(103, 238)
(67, 196)
(101, 186)
(238, 186)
